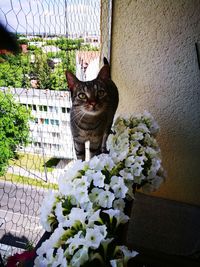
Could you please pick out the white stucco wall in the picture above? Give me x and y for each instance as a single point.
(154, 65)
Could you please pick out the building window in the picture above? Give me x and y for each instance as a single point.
(54, 122)
(55, 134)
(65, 123)
(36, 120)
(46, 121)
(43, 108)
(34, 107)
(63, 110)
(53, 109)
(56, 109)
(68, 110)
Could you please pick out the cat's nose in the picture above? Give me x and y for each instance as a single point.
(93, 103)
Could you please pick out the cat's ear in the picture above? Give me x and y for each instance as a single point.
(104, 73)
(72, 81)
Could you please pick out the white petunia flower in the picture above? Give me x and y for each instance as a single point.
(126, 174)
(117, 263)
(119, 215)
(81, 196)
(75, 215)
(46, 210)
(93, 237)
(118, 186)
(89, 174)
(59, 259)
(127, 253)
(151, 152)
(102, 229)
(80, 257)
(153, 184)
(119, 204)
(94, 195)
(74, 242)
(47, 244)
(140, 159)
(96, 164)
(129, 161)
(95, 217)
(155, 166)
(107, 161)
(81, 183)
(112, 213)
(98, 179)
(74, 170)
(105, 199)
(137, 136)
(65, 185)
(59, 213)
(41, 261)
(87, 206)
(137, 169)
(142, 128)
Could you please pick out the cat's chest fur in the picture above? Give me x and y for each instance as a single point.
(89, 128)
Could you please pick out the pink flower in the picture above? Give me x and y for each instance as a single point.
(19, 259)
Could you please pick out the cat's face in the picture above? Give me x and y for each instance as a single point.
(90, 97)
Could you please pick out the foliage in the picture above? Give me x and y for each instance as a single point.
(86, 214)
(14, 71)
(22, 41)
(17, 179)
(88, 47)
(33, 162)
(41, 71)
(18, 71)
(14, 128)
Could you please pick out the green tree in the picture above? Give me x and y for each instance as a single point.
(41, 71)
(14, 128)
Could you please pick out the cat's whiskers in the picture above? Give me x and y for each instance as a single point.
(81, 118)
(75, 116)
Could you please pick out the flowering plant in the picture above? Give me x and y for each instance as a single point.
(87, 211)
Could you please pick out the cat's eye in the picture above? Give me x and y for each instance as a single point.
(101, 93)
(82, 96)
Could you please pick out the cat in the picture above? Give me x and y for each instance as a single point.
(94, 104)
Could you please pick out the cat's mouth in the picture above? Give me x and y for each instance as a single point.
(93, 110)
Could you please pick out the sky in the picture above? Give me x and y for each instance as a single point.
(51, 16)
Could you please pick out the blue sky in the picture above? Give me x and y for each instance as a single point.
(51, 16)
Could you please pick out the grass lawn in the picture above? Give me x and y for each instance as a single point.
(28, 181)
(34, 162)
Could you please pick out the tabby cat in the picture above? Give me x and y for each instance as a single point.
(93, 108)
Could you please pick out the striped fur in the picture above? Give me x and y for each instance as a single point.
(93, 107)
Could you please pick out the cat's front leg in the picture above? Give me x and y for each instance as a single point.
(79, 149)
(103, 145)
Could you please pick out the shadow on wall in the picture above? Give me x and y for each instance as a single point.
(15, 241)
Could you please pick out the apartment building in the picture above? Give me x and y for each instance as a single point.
(50, 130)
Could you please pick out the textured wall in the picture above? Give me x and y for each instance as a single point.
(154, 65)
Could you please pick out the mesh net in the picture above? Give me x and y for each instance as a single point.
(36, 143)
